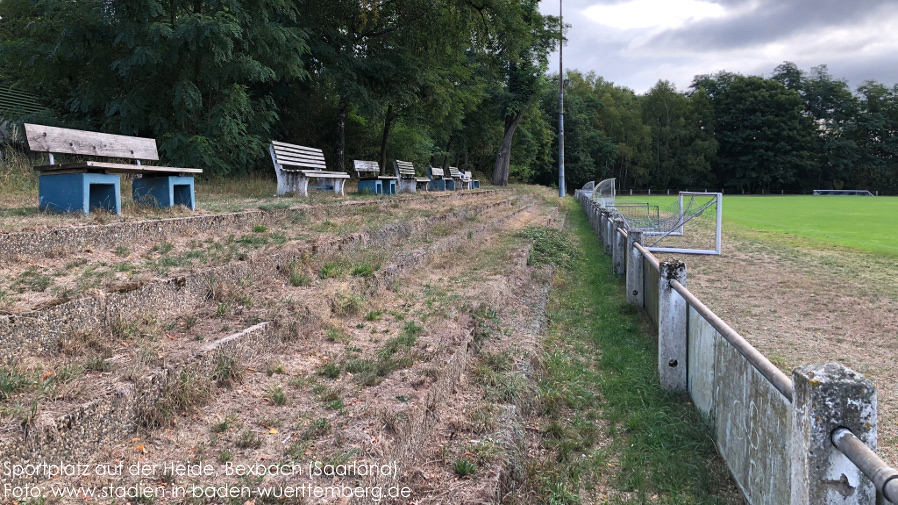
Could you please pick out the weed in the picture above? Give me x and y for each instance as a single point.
(275, 367)
(249, 439)
(296, 276)
(22, 410)
(348, 304)
(318, 428)
(336, 404)
(184, 392)
(96, 363)
(464, 468)
(122, 251)
(326, 394)
(336, 335)
(330, 270)
(227, 370)
(364, 270)
(32, 280)
(374, 315)
(224, 424)
(260, 228)
(277, 396)
(225, 456)
(330, 370)
(550, 247)
(14, 379)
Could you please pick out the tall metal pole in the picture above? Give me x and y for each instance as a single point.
(560, 104)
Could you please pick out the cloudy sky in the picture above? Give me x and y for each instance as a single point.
(634, 43)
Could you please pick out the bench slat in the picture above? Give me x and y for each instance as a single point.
(113, 168)
(67, 141)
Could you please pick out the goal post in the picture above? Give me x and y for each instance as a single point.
(842, 192)
(690, 223)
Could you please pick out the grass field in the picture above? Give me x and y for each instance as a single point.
(862, 223)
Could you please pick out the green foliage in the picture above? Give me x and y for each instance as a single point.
(550, 247)
(197, 76)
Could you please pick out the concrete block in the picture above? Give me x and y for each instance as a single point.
(635, 274)
(672, 325)
(80, 192)
(618, 248)
(373, 186)
(164, 191)
(827, 397)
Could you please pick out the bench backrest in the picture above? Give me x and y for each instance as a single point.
(405, 169)
(436, 173)
(368, 168)
(49, 139)
(454, 173)
(308, 158)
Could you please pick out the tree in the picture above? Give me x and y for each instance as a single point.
(765, 138)
(197, 75)
(524, 38)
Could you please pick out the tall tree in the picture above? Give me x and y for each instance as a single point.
(195, 74)
(523, 38)
(766, 139)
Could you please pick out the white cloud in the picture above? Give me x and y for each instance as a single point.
(642, 14)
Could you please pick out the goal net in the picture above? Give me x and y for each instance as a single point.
(689, 223)
(842, 192)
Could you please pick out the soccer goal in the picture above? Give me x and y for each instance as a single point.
(604, 193)
(687, 224)
(842, 192)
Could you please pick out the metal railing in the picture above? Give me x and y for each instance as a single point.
(780, 381)
(884, 477)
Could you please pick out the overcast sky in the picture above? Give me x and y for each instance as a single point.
(634, 43)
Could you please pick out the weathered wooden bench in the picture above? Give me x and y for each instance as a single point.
(85, 185)
(438, 181)
(296, 165)
(408, 179)
(468, 181)
(370, 179)
(457, 179)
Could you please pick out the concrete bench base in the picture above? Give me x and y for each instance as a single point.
(164, 191)
(373, 186)
(80, 192)
(437, 185)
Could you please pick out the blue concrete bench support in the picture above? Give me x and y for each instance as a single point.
(164, 191)
(80, 192)
(373, 186)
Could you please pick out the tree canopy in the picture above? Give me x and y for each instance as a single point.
(445, 82)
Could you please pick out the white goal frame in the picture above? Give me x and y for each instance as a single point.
(679, 229)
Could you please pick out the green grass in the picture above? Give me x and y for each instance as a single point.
(868, 224)
(605, 418)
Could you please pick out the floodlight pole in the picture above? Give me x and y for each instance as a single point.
(560, 103)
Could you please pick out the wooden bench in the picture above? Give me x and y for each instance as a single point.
(296, 165)
(457, 179)
(438, 181)
(85, 185)
(468, 182)
(408, 179)
(370, 179)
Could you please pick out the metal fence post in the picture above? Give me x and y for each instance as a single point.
(634, 268)
(828, 397)
(618, 253)
(672, 321)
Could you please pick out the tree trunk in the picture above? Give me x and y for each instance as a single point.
(446, 158)
(388, 121)
(340, 148)
(503, 159)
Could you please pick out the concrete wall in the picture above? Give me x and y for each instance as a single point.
(776, 440)
(752, 420)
